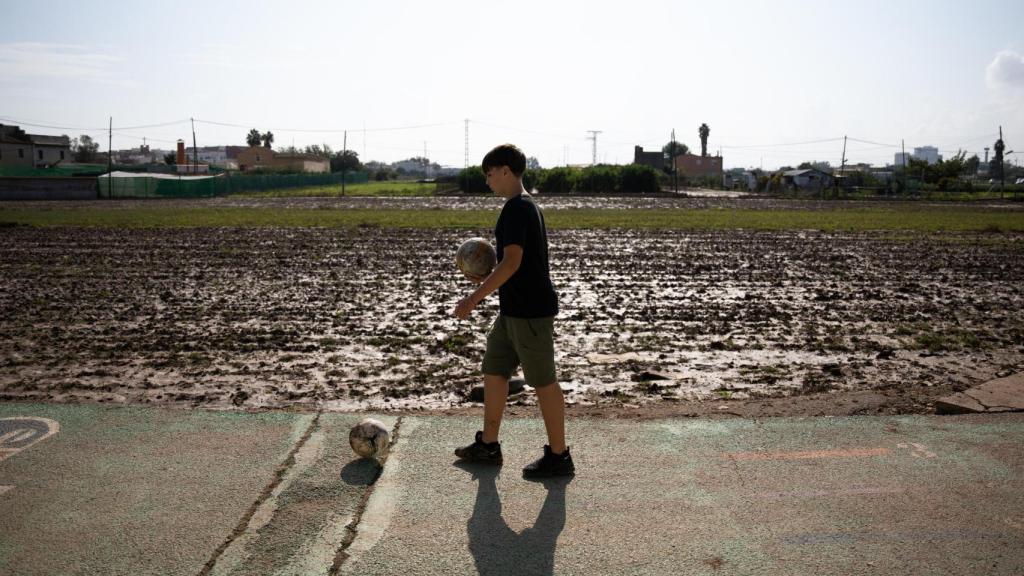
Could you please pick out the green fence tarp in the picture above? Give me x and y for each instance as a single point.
(144, 185)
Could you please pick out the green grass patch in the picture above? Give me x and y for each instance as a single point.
(854, 220)
(385, 188)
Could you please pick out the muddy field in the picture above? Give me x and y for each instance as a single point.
(738, 322)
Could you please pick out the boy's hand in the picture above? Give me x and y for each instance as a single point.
(464, 307)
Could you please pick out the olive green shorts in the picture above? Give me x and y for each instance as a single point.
(529, 342)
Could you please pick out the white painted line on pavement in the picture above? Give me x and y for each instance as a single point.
(237, 552)
(381, 506)
(316, 555)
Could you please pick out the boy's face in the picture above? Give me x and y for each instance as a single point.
(501, 180)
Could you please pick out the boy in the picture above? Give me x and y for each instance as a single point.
(523, 331)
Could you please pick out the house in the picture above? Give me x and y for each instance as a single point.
(141, 155)
(810, 179)
(262, 158)
(653, 159)
(256, 158)
(220, 156)
(693, 165)
(740, 179)
(302, 163)
(18, 148)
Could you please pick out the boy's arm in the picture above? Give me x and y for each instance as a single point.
(512, 257)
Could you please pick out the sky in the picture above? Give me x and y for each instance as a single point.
(778, 82)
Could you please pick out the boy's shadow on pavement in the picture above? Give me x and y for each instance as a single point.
(497, 549)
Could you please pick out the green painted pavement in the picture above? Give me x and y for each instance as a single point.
(920, 495)
(155, 491)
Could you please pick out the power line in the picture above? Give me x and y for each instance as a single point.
(101, 129)
(331, 130)
(781, 145)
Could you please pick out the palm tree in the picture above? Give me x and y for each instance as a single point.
(253, 139)
(268, 139)
(704, 132)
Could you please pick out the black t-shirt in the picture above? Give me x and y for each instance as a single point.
(529, 293)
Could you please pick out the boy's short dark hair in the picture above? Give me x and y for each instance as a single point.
(505, 155)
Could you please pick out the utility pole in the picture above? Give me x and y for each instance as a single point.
(110, 157)
(842, 168)
(467, 143)
(593, 138)
(344, 161)
(672, 159)
(195, 150)
(1000, 146)
(903, 146)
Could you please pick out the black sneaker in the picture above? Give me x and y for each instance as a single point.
(551, 465)
(480, 451)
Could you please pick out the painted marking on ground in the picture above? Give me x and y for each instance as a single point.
(387, 492)
(917, 450)
(20, 432)
(813, 538)
(871, 491)
(237, 551)
(808, 454)
(316, 555)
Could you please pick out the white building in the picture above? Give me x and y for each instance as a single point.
(929, 154)
(902, 159)
(209, 154)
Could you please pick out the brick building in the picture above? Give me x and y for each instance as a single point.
(653, 159)
(693, 165)
(260, 157)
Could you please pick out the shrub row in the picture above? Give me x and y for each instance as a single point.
(632, 178)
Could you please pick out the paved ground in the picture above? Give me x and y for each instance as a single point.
(96, 490)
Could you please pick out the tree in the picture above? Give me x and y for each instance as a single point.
(971, 165)
(318, 150)
(84, 149)
(704, 132)
(170, 159)
(253, 138)
(472, 180)
(345, 161)
(532, 163)
(679, 149)
(996, 167)
(268, 139)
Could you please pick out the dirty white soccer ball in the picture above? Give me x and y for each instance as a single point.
(370, 439)
(476, 257)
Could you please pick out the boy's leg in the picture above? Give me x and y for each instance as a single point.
(552, 409)
(495, 397)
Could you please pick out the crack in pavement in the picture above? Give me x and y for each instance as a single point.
(268, 492)
(353, 527)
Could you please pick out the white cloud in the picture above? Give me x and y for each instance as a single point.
(1006, 71)
(26, 60)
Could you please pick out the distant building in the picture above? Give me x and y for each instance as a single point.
(141, 155)
(810, 179)
(260, 157)
(901, 159)
(652, 159)
(415, 166)
(222, 156)
(17, 148)
(302, 163)
(929, 154)
(693, 165)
